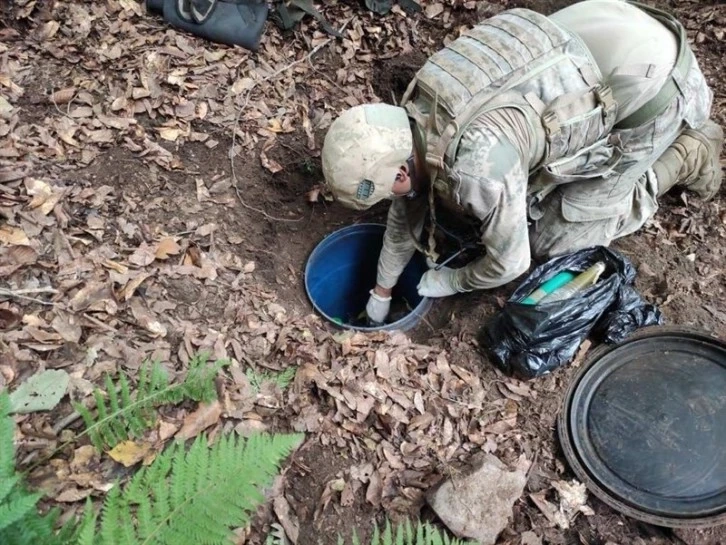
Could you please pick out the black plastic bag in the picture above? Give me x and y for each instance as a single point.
(531, 340)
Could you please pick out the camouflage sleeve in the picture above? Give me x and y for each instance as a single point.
(492, 175)
(398, 244)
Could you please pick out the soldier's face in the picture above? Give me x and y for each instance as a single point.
(402, 184)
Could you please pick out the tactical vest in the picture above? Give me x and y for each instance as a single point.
(518, 59)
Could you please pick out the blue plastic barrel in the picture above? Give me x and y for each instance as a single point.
(341, 271)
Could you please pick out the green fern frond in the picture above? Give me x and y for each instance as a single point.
(7, 451)
(20, 522)
(193, 497)
(198, 385)
(406, 534)
(84, 532)
(282, 379)
(276, 536)
(119, 415)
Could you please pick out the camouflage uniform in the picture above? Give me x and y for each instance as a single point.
(502, 176)
(570, 213)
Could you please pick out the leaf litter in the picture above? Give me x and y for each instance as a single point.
(96, 279)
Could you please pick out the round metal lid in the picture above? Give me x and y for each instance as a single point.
(644, 427)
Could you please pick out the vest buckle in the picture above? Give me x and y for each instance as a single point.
(551, 123)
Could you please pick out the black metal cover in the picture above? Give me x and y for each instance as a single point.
(644, 427)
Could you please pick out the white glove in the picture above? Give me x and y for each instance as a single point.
(378, 307)
(441, 283)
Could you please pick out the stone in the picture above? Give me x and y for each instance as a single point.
(477, 504)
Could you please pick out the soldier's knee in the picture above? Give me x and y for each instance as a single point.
(545, 247)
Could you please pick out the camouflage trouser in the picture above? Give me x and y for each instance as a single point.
(577, 210)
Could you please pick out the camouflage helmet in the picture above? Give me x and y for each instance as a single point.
(363, 151)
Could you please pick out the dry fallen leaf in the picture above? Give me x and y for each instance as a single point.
(432, 10)
(118, 267)
(82, 457)
(170, 133)
(132, 285)
(67, 325)
(64, 96)
(195, 423)
(94, 295)
(270, 164)
(549, 510)
(167, 246)
(144, 255)
(146, 319)
(14, 257)
(73, 494)
(9, 319)
(287, 518)
(202, 191)
(129, 453)
(119, 103)
(166, 430)
(313, 195)
(13, 235)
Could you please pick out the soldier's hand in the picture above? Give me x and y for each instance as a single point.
(437, 283)
(378, 308)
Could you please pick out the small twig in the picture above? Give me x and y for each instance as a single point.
(232, 151)
(99, 323)
(28, 291)
(67, 421)
(20, 294)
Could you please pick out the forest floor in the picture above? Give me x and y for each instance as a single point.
(159, 196)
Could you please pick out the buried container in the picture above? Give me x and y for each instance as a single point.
(341, 271)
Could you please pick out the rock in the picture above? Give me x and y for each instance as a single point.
(478, 504)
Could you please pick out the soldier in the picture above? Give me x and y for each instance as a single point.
(550, 133)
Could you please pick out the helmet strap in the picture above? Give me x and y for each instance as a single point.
(413, 192)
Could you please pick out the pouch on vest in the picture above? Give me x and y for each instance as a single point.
(596, 161)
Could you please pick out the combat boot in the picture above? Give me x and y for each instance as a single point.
(692, 161)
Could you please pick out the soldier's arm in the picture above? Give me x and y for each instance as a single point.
(493, 187)
(398, 244)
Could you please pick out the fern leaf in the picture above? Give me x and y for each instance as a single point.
(194, 497)
(120, 416)
(20, 522)
(6, 486)
(282, 379)
(403, 532)
(276, 536)
(406, 534)
(198, 384)
(85, 532)
(14, 510)
(387, 534)
(7, 451)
